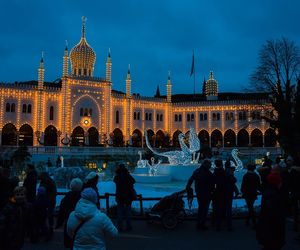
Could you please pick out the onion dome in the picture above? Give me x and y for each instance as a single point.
(211, 88)
(82, 56)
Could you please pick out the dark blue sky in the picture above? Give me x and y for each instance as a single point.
(153, 36)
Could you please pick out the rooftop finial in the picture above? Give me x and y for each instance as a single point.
(211, 75)
(66, 45)
(128, 69)
(169, 75)
(108, 52)
(83, 26)
(42, 58)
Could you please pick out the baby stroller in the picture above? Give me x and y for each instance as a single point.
(169, 210)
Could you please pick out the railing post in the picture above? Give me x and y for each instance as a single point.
(107, 203)
(141, 205)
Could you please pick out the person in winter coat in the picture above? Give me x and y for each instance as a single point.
(230, 190)
(270, 231)
(94, 224)
(125, 194)
(50, 186)
(16, 215)
(5, 187)
(30, 183)
(218, 199)
(204, 186)
(67, 205)
(264, 171)
(91, 180)
(250, 188)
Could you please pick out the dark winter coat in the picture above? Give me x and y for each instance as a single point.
(264, 172)
(204, 182)
(5, 190)
(250, 185)
(230, 187)
(67, 205)
(93, 186)
(30, 185)
(50, 187)
(271, 224)
(16, 219)
(125, 192)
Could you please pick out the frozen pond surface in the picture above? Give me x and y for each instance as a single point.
(160, 190)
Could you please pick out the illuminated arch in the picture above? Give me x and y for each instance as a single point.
(243, 138)
(117, 137)
(151, 136)
(26, 135)
(50, 136)
(270, 138)
(216, 138)
(256, 138)
(229, 138)
(77, 136)
(160, 139)
(204, 137)
(175, 138)
(9, 135)
(137, 137)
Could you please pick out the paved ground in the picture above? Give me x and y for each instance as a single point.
(184, 237)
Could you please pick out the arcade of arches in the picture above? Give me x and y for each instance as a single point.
(10, 136)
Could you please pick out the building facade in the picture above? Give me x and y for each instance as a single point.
(83, 110)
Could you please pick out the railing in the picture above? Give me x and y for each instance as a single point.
(140, 199)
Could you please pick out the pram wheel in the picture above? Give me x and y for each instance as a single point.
(169, 219)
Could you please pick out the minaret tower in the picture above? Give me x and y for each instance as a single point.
(108, 67)
(169, 88)
(128, 83)
(66, 61)
(41, 73)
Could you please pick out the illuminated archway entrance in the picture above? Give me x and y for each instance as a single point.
(243, 138)
(151, 137)
(26, 135)
(204, 137)
(9, 135)
(160, 139)
(50, 136)
(229, 138)
(137, 138)
(216, 138)
(117, 138)
(256, 138)
(175, 138)
(77, 137)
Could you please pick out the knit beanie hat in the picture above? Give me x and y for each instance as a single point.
(90, 195)
(76, 184)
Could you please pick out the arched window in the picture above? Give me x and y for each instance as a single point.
(81, 111)
(192, 117)
(157, 117)
(29, 109)
(179, 118)
(218, 116)
(214, 116)
(176, 118)
(146, 117)
(13, 107)
(86, 112)
(205, 117)
(117, 117)
(134, 116)
(201, 117)
(161, 117)
(90, 73)
(75, 71)
(90, 112)
(84, 72)
(24, 108)
(51, 113)
(150, 116)
(79, 72)
(7, 108)
(188, 117)
(138, 116)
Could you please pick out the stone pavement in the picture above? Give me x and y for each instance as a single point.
(184, 237)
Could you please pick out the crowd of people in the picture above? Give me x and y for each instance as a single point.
(27, 210)
(278, 183)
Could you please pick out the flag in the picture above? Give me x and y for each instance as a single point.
(193, 65)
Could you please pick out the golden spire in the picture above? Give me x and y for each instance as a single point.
(83, 26)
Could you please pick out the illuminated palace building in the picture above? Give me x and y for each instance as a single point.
(83, 110)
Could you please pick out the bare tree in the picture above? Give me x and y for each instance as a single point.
(277, 73)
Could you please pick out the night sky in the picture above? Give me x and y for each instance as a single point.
(152, 36)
